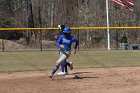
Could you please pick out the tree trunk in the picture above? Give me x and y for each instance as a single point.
(30, 21)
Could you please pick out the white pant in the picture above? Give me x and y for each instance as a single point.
(62, 57)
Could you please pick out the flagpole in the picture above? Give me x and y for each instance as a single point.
(107, 21)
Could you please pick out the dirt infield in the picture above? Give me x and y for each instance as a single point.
(92, 80)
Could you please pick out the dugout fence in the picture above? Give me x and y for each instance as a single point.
(90, 38)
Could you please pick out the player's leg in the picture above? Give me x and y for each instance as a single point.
(65, 65)
(70, 64)
(60, 61)
(62, 65)
(62, 70)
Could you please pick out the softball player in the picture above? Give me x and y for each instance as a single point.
(64, 70)
(64, 42)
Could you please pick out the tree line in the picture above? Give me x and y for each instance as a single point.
(73, 13)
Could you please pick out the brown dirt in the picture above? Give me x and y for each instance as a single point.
(92, 80)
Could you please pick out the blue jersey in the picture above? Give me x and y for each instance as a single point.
(66, 41)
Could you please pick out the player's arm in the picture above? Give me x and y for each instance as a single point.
(75, 48)
(76, 44)
(59, 42)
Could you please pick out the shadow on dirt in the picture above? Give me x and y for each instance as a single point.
(76, 75)
(88, 77)
(80, 73)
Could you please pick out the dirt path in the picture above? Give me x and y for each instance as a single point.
(92, 80)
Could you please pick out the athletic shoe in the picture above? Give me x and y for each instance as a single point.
(71, 65)
(62, 73)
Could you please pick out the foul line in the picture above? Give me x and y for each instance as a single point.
(73, 28)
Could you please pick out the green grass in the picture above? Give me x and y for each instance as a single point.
(43, 60)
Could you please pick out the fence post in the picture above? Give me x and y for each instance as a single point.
(40, 40)
(2, 45)
(78, 41)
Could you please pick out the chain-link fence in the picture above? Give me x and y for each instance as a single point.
(88, 39)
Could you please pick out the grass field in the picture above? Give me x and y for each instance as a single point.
(98, 71)
(43, 60)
